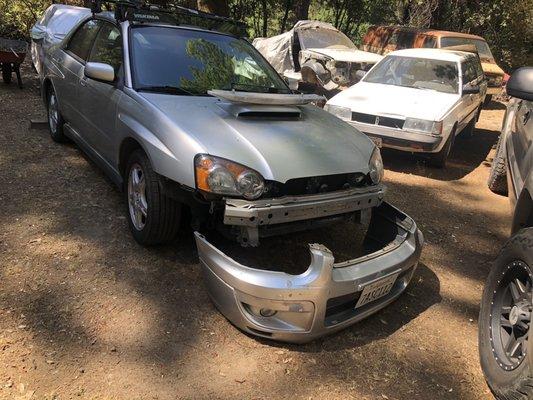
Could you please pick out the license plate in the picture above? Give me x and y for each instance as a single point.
(376, 290)
(377, 141)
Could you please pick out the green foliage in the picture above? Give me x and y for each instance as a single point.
(507, 25)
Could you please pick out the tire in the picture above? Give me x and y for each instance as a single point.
(7, 71)
(153, 217)
(508, 378)
(439, 159)
(488, 100)
(55, 120)
(497, 182)
(468, 130)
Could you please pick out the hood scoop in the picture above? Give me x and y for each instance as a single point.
(255, 111)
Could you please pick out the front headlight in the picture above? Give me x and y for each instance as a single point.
(339, 111)
(376, 167)
(220, 176)
(423, 126)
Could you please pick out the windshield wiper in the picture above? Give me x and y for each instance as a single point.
(167, 89)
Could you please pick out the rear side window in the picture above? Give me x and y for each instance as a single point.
(82, 40)
(429, 42)
(107, 47)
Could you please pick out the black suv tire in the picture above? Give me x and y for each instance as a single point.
(515, 262)
(160, 222)
(498, 175)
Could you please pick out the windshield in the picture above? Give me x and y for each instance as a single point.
(419, 73)
(319, 38)
(182, 61)
(481, 46)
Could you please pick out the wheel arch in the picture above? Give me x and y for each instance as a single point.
(523, 213)
(128, 146)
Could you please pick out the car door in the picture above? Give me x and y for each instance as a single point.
(522, 144)
(99, 100)
(70, 62)
(469, 101)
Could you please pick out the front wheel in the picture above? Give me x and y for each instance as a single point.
(439, 159)
(153, 217)
(505, 318)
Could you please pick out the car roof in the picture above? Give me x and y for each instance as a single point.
(432, 32)
(434, 54)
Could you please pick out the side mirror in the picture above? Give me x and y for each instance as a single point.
(520, 84)
(470, 89)
(100, 72)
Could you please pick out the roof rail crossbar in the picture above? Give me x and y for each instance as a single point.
(142, 11)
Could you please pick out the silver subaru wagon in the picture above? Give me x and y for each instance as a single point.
(186, 119)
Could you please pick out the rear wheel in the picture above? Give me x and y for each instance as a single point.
(498, 174)
(505, 318)
(7, 71)
(55, 120)
(153, 217)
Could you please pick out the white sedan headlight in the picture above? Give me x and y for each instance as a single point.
(339, 111)
(220, 176)
(376, 167)
(423, 126)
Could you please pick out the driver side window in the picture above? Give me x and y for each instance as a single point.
(107, 47)
(469, 71)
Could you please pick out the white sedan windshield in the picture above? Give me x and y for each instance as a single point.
(319, 38)
(419, 73)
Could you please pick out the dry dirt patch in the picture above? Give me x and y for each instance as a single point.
(87, 313)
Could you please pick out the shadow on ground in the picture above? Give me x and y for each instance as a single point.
(466, 155)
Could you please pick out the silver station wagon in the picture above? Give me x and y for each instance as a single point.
(188, 120)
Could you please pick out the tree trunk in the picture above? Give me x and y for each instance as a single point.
(219, 7)
(302, 9)
(265, 17)
(288, 5)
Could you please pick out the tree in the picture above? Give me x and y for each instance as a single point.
(219, 7)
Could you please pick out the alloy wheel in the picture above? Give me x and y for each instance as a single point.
(510, 316)
(53, 113)
(137, 204)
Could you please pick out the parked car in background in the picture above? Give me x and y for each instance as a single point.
(505, 348)
(51, 28)
(316, 55)
(194, 121)
(384, 39)
(416, 100)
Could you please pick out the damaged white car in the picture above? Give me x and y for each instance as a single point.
(194, 125)
(316, 55)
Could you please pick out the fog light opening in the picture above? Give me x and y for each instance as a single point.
(267, 312)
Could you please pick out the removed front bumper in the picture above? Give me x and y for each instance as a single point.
(321, 300)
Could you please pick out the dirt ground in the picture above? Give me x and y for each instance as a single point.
(87, 313)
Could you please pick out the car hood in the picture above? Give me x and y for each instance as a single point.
(315, 144)
(491, 68)
(348, 55)
(389, 100)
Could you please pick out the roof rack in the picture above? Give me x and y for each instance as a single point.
(143, 12)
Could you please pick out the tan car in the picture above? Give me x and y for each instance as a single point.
(384, 39)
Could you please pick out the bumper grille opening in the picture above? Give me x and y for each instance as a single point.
(378, 120)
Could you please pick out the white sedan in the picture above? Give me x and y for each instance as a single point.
(416, 100)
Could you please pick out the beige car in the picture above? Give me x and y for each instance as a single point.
(384, 39)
